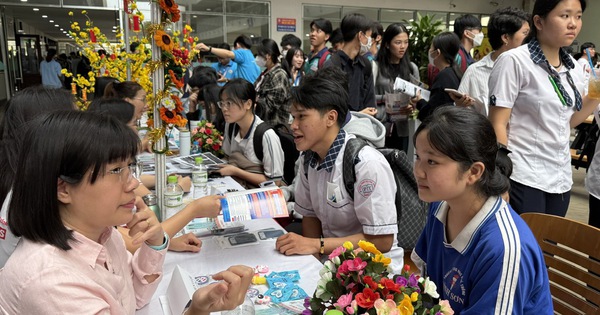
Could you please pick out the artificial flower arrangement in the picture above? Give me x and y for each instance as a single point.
(359, 282)
(208, 138)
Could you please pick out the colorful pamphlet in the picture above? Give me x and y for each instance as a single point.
(267, 202)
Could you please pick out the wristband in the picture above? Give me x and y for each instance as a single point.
(209, 48)
(164, 244)
(322, 249)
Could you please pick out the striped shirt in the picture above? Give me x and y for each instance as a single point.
(475, 83)
(494, 266)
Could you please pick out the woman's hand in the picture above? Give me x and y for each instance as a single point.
(369, 111)
(144, 226)
(463, 101)
(413, 101)
(294, 244)
(228, 170)
(224, 295)
(208, 206)
(406, 110)
(185, 243)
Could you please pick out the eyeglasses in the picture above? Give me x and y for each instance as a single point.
(143, 99)
(135, 171)
(225, 104)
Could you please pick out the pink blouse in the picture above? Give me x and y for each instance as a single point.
(90, 278)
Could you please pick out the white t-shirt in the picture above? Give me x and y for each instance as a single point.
(8, 241)
(273, 157)
(475, 82)
(539, 127)
(321, 194)
(592, 180)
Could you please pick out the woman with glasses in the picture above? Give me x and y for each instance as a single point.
(70, 259)
(237, 103)
(208, 206)
(25, 106)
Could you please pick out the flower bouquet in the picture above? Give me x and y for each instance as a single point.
(358, 282)
(208, 138)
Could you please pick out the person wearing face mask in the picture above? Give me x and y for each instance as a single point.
(356, 30)
(442, 55)
(468, 29)
(289, 41)
(273, 95)
(242, 55)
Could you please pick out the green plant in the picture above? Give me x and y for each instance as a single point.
(422, 30)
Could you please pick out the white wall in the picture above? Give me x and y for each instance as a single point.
(589, 31)
(293, 8)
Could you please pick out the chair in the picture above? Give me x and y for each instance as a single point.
(572, 254)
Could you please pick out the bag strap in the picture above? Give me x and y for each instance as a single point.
(323, 59)
(257, 139)
(353, 146)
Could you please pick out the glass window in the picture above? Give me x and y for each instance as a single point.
(34, 2)
(393, 16)
(370, 13)
(312, 12)
(208, 28)
(246, 8)
(90, 3)
(256, 28)
(207, 6)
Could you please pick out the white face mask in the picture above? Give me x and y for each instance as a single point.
(477, 39)
(261, 62)
(283, 53)
(431, 59)
(364, 48)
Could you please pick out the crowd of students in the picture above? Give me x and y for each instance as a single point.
(478, 173)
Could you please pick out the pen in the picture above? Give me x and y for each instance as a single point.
(560, 96)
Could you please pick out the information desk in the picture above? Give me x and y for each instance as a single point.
(212, 259)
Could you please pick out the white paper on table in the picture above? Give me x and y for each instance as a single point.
(410, 89)
(180, 290)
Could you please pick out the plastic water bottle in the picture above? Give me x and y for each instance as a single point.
(247, 308)
(184, 142)
(173, 194)
(199, 178)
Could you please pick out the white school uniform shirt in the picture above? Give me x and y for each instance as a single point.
(273, 157)
(8, 241)
(475, 82)
(539, 130)
(592, 180)
(320, 193)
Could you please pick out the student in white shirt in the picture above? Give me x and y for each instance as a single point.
(592, 181)
(535, 98)
(507, 29)
(331, 216)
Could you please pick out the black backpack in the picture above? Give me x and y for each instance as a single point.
(410, 210)
(290, 153)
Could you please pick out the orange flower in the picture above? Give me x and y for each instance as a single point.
(168, 6)
(163, 40)
(178, 104)
(168, 116)
(176, 16)
(178, 83)
(150, 123)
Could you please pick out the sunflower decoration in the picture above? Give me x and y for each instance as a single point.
(163, 40)
(171, 9)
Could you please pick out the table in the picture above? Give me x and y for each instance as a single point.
(212, 259)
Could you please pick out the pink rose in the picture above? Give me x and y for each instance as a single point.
(343, 301)
(209, 141)
(336, 252)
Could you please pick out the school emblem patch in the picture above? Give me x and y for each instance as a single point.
(366, 187)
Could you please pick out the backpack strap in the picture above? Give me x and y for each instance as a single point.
(230, 131)
(259, 132)
(353, 146)
(307, 157)
(323, 58)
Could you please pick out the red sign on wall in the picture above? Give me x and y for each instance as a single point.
(286, 25)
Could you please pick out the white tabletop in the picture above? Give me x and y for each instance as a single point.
(212, 259)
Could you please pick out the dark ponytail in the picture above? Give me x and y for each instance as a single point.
(449, 45)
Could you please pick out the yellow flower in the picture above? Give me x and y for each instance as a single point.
(406, 307)
(368, 247)
(63, 71)
(414, 296)
(87, 23)
(382, 259)
(70, 13)
(83, 12)
(348, 245)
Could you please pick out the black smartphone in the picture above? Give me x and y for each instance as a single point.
(267, 234)
(243, 238)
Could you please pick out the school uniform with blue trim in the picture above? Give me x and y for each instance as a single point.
(494, 266)
(321, 193)
(228, 71)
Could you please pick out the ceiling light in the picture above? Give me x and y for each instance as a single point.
(208, 9)
(51, 21)
(23, 0)
(62, 29)
(194, 16)
(56, 25)
(44, 16)
(114, 31)
(114, 27)
(36, 9)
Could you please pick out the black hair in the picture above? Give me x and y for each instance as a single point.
(466, 136)
(336, 36)
(582, 50)
(201, 76)
(505, 21)
(449, 45)
(384, 53)
(21, 109)
(286, 63)
(243, 41)
(239, 90)
(133, 46)
(322, 24)
(324, 90)
(268, 46)
(63, 144)
(542, 8)
(100, 86)
(376, 30)
(354, 23)
(116, 107)
(50, 54)
(127, 89)
(224, 46)
(466, 22)
(291, 40)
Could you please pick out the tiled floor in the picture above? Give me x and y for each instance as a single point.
(579, 207)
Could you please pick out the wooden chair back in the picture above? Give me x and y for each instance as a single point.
(572, 255)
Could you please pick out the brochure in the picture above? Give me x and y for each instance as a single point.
(267, 202)
(410, 89)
